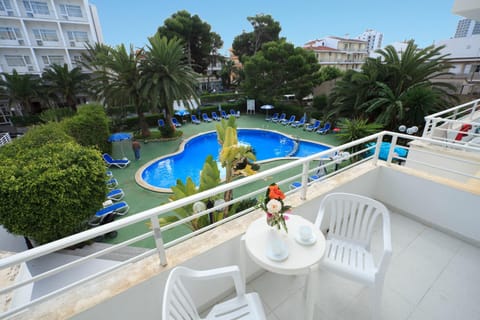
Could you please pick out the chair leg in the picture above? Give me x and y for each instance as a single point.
(243, 259)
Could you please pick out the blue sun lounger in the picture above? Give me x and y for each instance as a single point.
(119, 208)
(115, 195)
(120, 163)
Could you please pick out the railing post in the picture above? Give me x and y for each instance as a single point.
(377, 149)
(392, 148)
(157, 235)
(303, 192)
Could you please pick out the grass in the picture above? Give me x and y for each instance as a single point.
(140, 199)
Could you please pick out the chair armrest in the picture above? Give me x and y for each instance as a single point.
(229, 271)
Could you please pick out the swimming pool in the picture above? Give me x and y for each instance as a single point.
(162, 173)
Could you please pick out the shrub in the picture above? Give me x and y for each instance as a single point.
(167, 131)
(89, 127)
(49, 187)
(56, 115)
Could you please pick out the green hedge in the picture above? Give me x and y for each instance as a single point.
(50, 185)
(90, 127)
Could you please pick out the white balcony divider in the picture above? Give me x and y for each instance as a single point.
(445, 125)
(354, 153)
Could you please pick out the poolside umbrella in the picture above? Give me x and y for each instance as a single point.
(267, 107)
(182, 113)
(120, 138)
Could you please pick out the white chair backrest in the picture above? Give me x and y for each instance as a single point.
(177, 302)
(350, 217)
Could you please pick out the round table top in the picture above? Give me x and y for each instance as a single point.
(300, 257)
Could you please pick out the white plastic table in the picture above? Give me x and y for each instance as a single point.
(300, 257)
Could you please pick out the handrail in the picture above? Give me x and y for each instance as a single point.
(152, 214)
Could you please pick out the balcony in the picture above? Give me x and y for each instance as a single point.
(435, 233)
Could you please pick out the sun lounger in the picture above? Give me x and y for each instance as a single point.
(206, 118)
(119, 208)
(281, 118)
(314, 126)
(273, 118)
(112, 183)
(176, 123)
(215, 116)
(325, 129)
(299, 123)
(115, 195)
(120, 163)
(195, 120)
(289, 121)
(224, 114)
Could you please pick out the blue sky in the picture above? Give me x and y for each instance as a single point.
(426, 21)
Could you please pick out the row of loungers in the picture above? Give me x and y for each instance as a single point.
(314, 127)
(113, 205)
(205, 118)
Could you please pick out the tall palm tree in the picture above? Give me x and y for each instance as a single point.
(117, 78)
(20, 89)
(408, 81)
(165, 75)
(65, 84)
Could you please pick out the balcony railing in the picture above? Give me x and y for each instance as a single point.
(330, 162)
(457, 125)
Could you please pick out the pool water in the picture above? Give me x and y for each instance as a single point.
(267, 145)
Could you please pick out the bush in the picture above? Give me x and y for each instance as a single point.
(56, 115)
(25, 121)
(89, 127)
(50, 190)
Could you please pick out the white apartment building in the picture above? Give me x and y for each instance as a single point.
(467, 28)
(35, 34)
(342, 53)
(374, 40)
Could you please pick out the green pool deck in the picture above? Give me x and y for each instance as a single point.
(140, 199)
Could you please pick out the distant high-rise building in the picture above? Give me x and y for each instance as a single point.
(373, 38)
(467, 28)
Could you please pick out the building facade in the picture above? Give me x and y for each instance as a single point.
(342, 53)
(37, 34)
(373, 38)
(467, 28)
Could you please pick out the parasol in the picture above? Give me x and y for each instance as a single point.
(120, 138)
(267, 107)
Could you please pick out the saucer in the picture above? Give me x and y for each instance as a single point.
(279, 257)
(309, 242)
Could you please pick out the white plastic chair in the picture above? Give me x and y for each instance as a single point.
(178, 304)
(347, 221)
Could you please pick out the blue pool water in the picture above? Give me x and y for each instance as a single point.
(267, 145)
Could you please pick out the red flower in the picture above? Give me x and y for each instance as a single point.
(274, 192)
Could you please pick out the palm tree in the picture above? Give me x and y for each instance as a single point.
(65, 84)
(20, 89)
(117, 78)
(166, 75)
(405, 76)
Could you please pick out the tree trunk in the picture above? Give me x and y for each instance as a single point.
(143, 125)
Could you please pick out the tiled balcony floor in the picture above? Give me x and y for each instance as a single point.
(431, 276)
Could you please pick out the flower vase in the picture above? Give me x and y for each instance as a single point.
(277, 244)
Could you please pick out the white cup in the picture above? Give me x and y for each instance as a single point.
(305, 233)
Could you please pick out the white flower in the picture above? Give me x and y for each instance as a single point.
(274, 206)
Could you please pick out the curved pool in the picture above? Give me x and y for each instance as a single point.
(162, 173)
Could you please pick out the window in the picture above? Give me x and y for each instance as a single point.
(71, 10)
(45, 34)
(78, 36)
(9, 33)
(17, 61)
(5, 5)
(49, 60)
(36, 7)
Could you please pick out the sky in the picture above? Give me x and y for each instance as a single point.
(425, 21)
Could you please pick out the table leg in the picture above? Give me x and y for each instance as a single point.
(310, 299)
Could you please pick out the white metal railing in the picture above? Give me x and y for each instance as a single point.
(4, 138)
(461, 121)
(334, 161)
